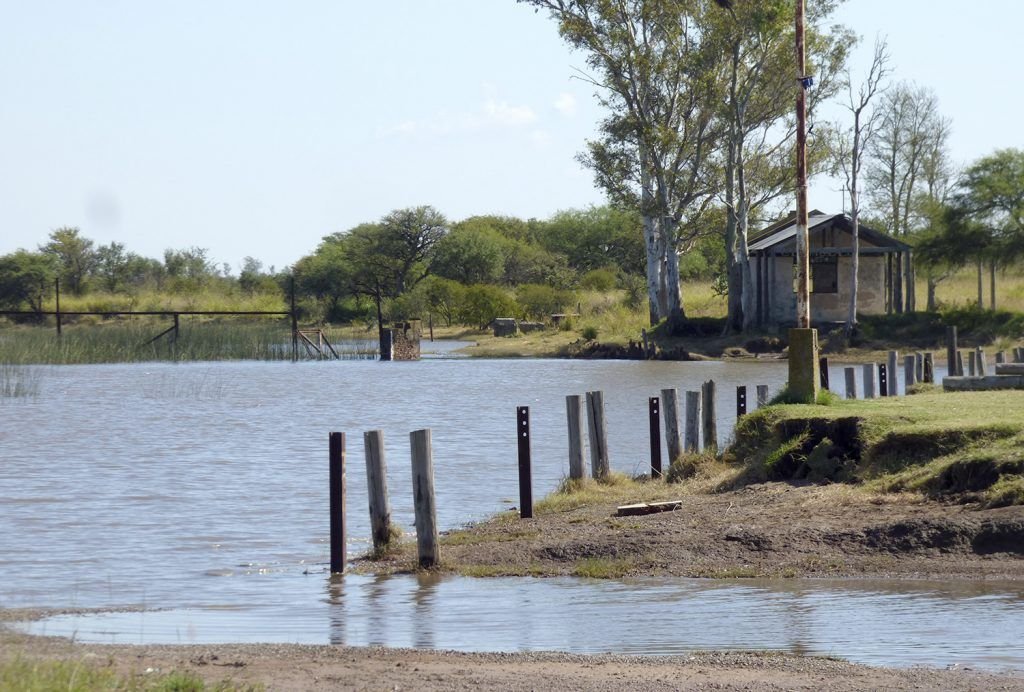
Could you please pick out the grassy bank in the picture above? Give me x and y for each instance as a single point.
(20, 674)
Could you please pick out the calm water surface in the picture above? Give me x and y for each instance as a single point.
(200, 489)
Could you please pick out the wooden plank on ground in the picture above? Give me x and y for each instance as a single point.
(648, 508)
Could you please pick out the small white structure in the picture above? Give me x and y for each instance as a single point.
(885, 270)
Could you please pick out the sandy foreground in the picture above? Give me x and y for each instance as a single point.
(301, 667)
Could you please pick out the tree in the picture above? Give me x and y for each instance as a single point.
(408, 236)
(850, 143)
(74, 254)
(26, 278)
(596, 237)
(757, 67)
(657, 82)
(471, 254)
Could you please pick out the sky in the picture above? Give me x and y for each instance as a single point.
(255, 128)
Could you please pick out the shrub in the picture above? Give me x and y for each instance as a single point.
(482, 303)
(589, 332)
(538, 302)
(603, 279)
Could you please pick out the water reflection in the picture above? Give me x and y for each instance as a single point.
(880, 623)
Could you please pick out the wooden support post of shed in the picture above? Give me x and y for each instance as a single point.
(423, 498)
(574, 418)
(670, 412)
(654, 425)
(599, 465)
(336, 466)
(709, 426)
(693, 415)
(377, 489)
(851, 382)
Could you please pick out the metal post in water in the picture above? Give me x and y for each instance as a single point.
(525, 476)
(336, 456)
(654, 422)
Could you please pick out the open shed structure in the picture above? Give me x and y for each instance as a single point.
(885, 271)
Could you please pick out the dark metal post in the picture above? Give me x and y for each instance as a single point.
(883, 380)
(654, 411)
(295, 323)
(525, 480)
(337, 507)
(56, 283)
(823, 369)
(741, 400)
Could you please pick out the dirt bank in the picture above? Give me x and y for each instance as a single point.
(294, 667)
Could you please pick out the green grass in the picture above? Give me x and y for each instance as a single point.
(936, 443)
(124, 340)
(602, 568)
(25, 675)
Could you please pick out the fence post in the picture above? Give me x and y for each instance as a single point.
(981, 362)
(670, 410)
(919, 367)
(654, 420)
(909, 371)
(883, 380)
(336, 456)
(892, 372)
(823, 370)
(525, 475)
(710, 423)
(693, 415)
(851, 383)
(951, 349)
(574, 416)
(423, 497)
(377, 488)
(972, 363)
(741, 401)
(960, 362)
(598, 438)
(870, 388)
(929, 367)
(762, 395)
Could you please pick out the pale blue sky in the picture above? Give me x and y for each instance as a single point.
(255, 128)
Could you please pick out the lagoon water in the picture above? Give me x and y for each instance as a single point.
(198, 491)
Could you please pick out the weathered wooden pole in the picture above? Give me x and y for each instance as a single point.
(56, 286)
(929, 367)
(919, 366)
(599, 465)
(423, 497)
(525, 472)
(741, 401)
(909, 371)
(295, 320)
(693, 416)
(883, 380)
(762, 395)
(336, 458)
(851, 382)
(982, 367)
(972, 363)
(1000, 357)
(951, 349)
(960, 362)
(870, 387)
(823, 368)
(709, 427)
(654, 423)
(670, 410)
(377, 488)
(892, 371)
(574, 417)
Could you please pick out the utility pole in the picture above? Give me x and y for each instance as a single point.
(803, 341)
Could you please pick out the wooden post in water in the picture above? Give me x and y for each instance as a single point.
(762, 395)
(377, 489)
(423, 497)
(851, 382)
(919, 367)
(574, 416)
(693, 416)
(525, 473)
(709, 427)
(654, 422)
(56, 285)
(909, 371)
(295, 321)
(929, 367)
(892, 373)
(951, 349)
(883, 380)
(823, 371)
(670, 410)
(741, 401)
(870, 387)
(981, 362)
(336, 457)
(599, 466)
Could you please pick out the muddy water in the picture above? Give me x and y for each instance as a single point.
(200, 489)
